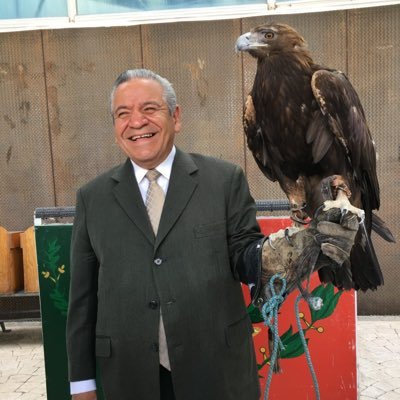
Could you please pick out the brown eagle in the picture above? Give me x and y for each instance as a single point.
(304, 122)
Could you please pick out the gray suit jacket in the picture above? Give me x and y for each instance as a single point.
(121, 274)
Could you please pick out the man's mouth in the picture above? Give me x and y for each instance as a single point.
(144, 136)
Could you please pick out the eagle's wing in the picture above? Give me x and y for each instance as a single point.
(344, 114)
(255, 139)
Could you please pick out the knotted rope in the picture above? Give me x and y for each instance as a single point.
(315, 303)
(269, 311)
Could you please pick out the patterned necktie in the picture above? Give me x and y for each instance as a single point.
(154, 199)
(154, 204)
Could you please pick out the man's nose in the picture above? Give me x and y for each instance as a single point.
(137, 119)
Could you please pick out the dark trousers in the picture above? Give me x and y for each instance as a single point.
(166, 387)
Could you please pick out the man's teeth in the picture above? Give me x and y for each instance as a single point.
(146, 135)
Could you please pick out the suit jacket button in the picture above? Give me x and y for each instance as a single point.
(153, 304)
(158, 261)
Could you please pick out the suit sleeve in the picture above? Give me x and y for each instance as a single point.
(244, 236)
(82, 309)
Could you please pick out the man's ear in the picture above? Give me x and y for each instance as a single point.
(177, 118)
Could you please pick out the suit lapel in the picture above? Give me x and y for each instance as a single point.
(182, 184)
(128, 196)
(181, 187)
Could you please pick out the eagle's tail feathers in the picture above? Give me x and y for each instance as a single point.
(340, 277)
(365, 267)
(379, 226)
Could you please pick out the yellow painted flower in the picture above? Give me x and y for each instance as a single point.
(61, 269)
(256, 330)
(46, 274)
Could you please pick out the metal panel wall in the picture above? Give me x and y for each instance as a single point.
(56, 132)
(199, 59)
(80, 67)
(25, 160)
(374, 60)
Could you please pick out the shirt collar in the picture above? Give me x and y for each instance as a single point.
(164, 168)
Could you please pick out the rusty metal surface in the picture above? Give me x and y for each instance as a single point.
(80, 67)
(56, 132)
(25, 159)
(198, 58)
(374, 60)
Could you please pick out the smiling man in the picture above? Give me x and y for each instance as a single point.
(159, 308)
(159, 247)
(144, 123)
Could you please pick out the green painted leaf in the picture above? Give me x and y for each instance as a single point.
(330, 300)
(293, 347)
(59, 300)
(319, 291)
(287, 334)
(254, 314)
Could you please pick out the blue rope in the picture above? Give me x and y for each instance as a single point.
(269, 311)
(315, 303)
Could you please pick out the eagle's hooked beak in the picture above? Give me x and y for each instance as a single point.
(246, 42)
(243, 42)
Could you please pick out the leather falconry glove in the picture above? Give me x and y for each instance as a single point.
(295, 253)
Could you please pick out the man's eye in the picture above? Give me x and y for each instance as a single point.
(150, 110)
(123, 114)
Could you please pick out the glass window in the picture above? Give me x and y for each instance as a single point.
(83, 13)
(85, 7)
(11, 9)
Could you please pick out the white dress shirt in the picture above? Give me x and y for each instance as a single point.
(164, 169)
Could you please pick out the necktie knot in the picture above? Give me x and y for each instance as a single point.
(152, 175)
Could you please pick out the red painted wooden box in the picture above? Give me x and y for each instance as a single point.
(331, 336)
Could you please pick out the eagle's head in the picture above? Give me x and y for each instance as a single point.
(269, 39)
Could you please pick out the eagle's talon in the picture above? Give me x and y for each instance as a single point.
(343, 213)
(270, 243)
(361, 216)
(288, 237)
(301, 221)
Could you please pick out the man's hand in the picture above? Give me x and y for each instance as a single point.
(85, 396)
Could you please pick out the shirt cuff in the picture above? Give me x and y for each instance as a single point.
(82, 386)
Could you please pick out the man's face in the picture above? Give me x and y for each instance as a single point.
(143, 127)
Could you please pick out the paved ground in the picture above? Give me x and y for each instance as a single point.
(378, 358)
(22, 373)
(378, 354)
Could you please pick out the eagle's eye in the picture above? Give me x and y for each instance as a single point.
(269, 35)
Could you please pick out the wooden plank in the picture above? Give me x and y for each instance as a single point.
(28, 245)
(11, 273)
(14, 239)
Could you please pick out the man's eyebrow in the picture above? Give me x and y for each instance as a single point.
(120, 108)
(146, 103)
(151, 102)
